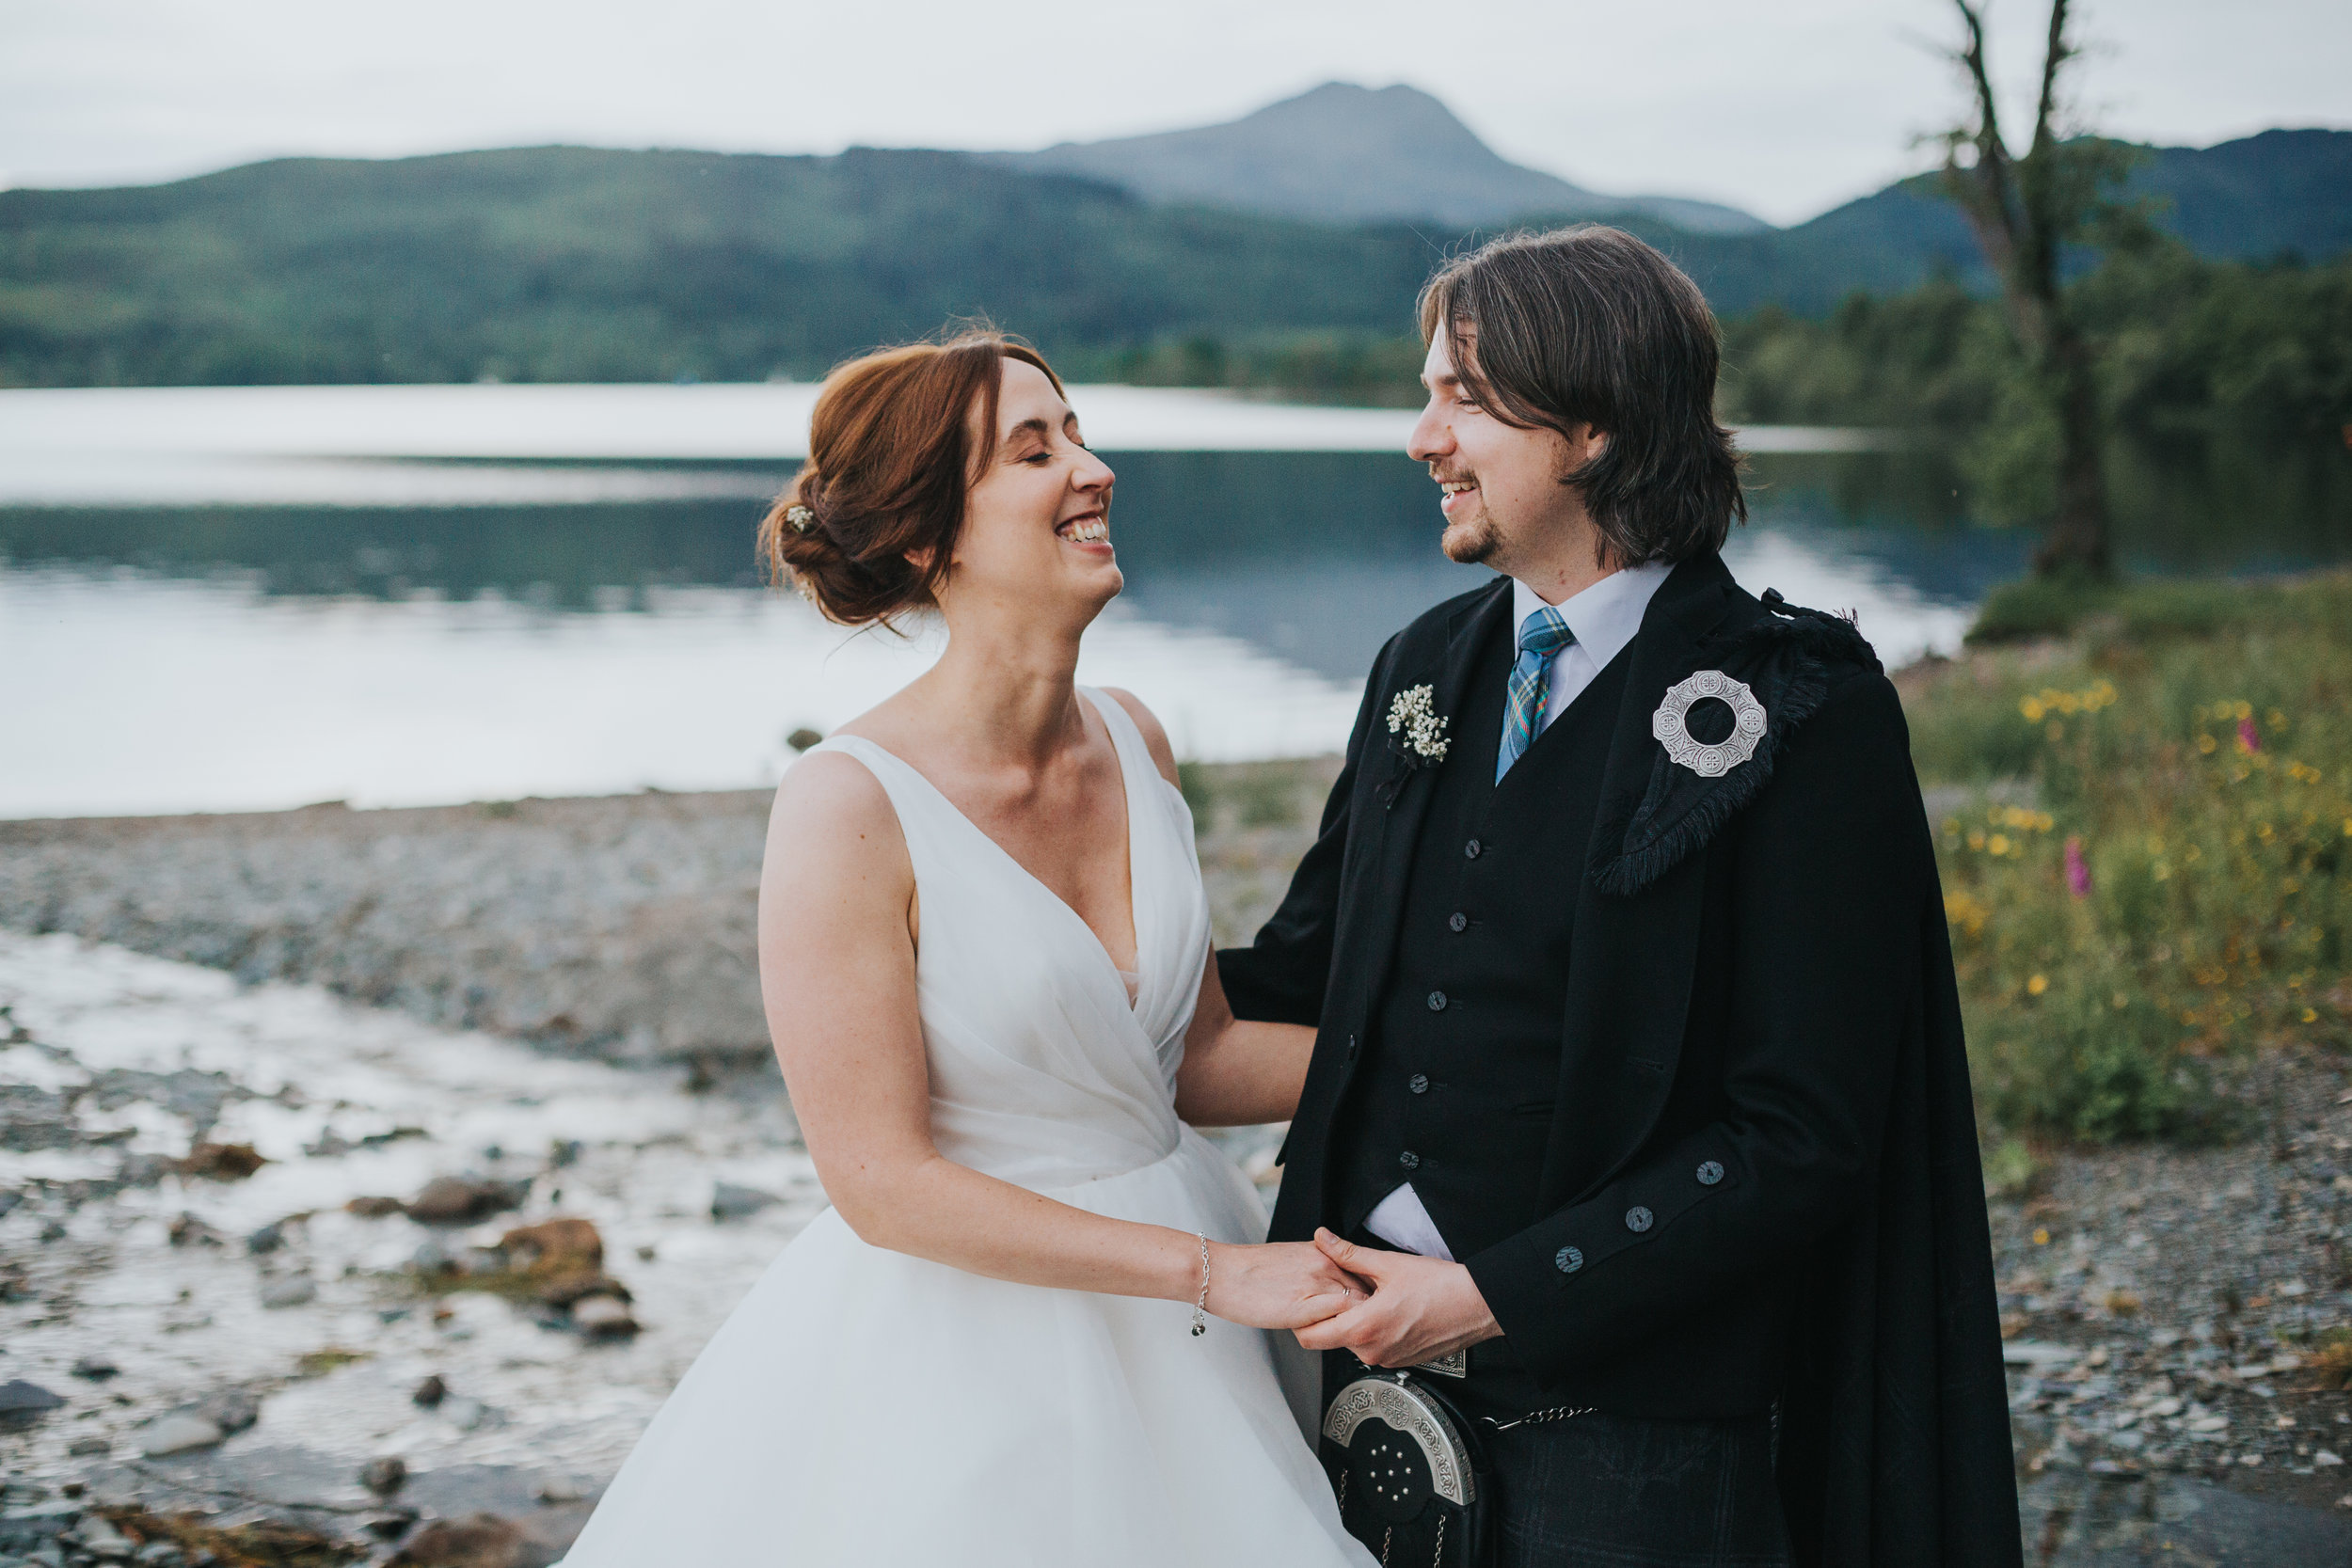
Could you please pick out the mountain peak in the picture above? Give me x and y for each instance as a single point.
(1343, 152)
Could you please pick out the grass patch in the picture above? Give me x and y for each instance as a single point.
(2180, 891)
(318, 1363)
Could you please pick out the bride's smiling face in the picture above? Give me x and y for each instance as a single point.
(1036, 519)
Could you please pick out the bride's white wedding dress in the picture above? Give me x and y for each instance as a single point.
(863, 1408)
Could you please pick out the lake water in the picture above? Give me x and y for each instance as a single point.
(239, 598)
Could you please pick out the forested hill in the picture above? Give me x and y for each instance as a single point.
(568, 264)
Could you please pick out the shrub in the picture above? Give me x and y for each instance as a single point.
(2179, 889)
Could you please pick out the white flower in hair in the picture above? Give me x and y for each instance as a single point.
(1413, 715)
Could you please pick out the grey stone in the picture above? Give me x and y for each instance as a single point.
(384, 1476)
(96, 1367)
(232, 1409)
(179, 1433)
(601, 1316)
(731, 1202)
(297, 1290)
(266, 1240)
(20, 1399)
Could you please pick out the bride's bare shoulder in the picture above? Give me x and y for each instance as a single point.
(1154, 735)
(832, 812)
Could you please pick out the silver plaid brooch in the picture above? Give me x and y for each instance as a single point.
(1413, 715)
(1671, 723)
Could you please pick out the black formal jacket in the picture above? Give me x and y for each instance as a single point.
(1760, 980)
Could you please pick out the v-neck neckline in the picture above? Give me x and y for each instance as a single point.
(1127, 807)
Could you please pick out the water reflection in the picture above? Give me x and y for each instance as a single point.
(386, 653)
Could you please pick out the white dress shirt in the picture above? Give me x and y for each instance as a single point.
(1604, 618)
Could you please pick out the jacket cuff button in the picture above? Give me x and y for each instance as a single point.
(1568, 1260)
(1709, 1173)
(1637, 1218)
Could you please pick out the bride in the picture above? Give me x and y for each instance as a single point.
(1030, 1329)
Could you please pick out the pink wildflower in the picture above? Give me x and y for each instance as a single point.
(2248, 740)
(2077, 870)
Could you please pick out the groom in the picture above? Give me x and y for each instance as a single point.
(1639, 1076)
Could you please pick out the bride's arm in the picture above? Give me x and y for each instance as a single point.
(1236, 1072)
(836, 964)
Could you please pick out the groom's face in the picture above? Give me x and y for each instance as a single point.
(1501, 491)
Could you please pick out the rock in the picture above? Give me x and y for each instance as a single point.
(160, 1554)
(731, 1202)
(384, 1476)
(553, 1248)
(28, 1528)
(561, 1152)
(458, 1200)
(187, 1231)
(602, 1318)
(82, 1448)
(572, 1288)
(297, 1290)
(178, 1435)
(52, 1231)
(232, 1409)
(21, 1404)
(266, 1240)
(388, 1525)
(374, 1208)
(221, 1161)
(430, 1392)
(558, 1489)
(482, 1541)
(96, 1367)
(98, 1536)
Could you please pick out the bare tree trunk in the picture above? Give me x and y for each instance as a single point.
(2015, 206)
(2076, 540)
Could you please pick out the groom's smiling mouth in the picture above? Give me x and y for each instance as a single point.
(1455, 489)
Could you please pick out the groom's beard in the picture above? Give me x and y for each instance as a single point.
(1471, 541)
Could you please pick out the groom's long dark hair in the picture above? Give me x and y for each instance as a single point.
(1589, 325)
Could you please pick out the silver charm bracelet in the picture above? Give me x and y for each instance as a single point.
(1201, 1308)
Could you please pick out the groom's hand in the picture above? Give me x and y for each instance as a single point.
(1420, 1307)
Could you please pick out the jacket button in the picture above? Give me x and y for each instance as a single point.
(1568, 1260)
(1418, 1082)
(1709, 1173)
(1437, 1002)
(1456, 922)
(1351, 1048)
(1410, 1160)
(1471, 849)
(1637, 1218)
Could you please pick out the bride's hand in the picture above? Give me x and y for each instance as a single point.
(1279, 1285)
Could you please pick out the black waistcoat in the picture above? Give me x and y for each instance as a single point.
(1462, 1059)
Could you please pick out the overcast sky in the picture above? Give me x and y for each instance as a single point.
(1785, 108)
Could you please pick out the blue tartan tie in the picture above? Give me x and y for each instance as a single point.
(1543, 635)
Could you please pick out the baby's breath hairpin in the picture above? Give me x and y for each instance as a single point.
(800, 517)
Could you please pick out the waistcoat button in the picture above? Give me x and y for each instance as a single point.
(1351, 1048)
(1418, 1082)
(1471, 848)
(1437, 1002)
(1637, 1218)
(1709, 1173)
(1456, 921)
(1568, 1260)
(1410, 1160)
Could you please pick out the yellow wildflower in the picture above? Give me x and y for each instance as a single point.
(2036, 986)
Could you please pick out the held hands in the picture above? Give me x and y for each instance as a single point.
(1419, 1307)
(1279, 1285)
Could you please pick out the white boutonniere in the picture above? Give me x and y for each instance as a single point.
(1421, 726)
